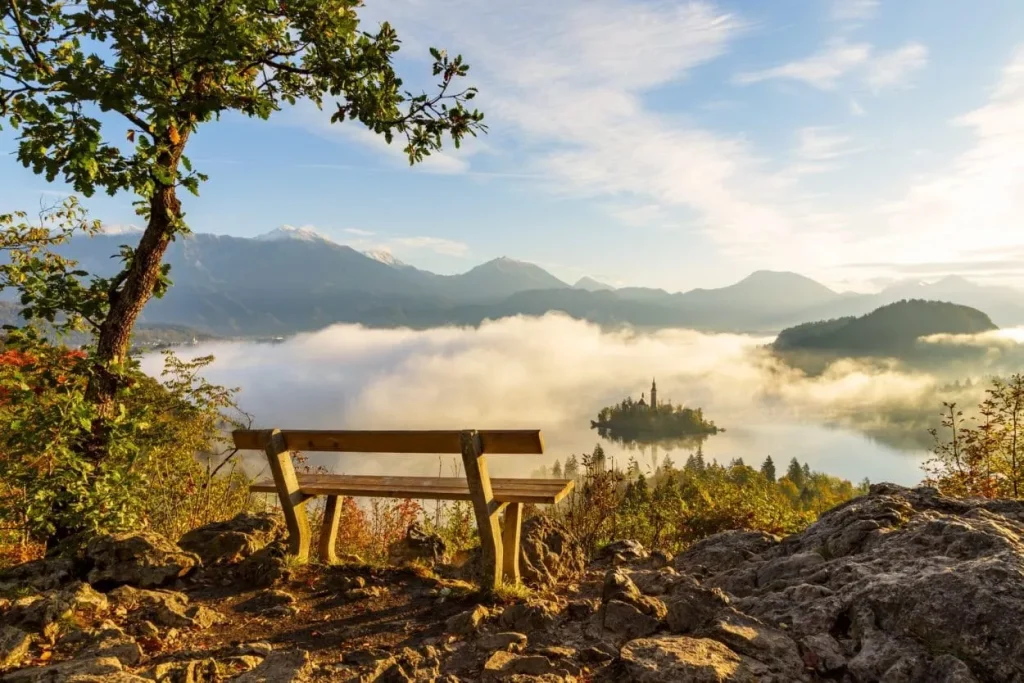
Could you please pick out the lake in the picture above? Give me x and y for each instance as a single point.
(554, 373)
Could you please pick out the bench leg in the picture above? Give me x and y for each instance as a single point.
(510, 540)
(280, 459)
(329, 531)
(485, 509)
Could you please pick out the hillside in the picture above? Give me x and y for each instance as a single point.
(891, 329)
(896, 585)
(292, 280)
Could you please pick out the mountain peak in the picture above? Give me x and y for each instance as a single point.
(303, 233)
(591, 285)
(384, 256)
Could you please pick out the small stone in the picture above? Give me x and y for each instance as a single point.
(508, 640)
(147, 629)
(595, 655)
(292, 666)
(265, 600)
(280, 612)
(467, 622)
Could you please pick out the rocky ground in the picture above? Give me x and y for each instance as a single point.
(897, 586)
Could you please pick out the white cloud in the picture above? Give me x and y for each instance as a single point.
(894, 68)
(437, 245)
(358, 231)
(838, 59)
(852, 10)
(821, 143)
(551, 373)
(974, 204)
(821, 70)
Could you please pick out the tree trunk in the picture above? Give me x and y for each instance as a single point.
(126, 304)
(115, 331)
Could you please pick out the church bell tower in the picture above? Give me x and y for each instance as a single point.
(654, 394)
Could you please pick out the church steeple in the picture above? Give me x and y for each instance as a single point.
(654, 393)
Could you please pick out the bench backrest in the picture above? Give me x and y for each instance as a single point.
(497, 442)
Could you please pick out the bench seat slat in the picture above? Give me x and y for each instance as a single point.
(537, 491)
(494, 441)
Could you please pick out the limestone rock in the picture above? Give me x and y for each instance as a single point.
(885, 586)
(266, 600)
(73, 671)
(417, 545)
(266, 567)
(624, 550)
(618, 586)
(164, 608)
(504, 665)
(190, 671)
(682, 659)
(14, 644)
(527, 617)
(39, 575)
(466, 623)
(692, 606)
(43, 612)
(509, 641)
(548, 554)
(143, 559)
(230, 542)
(626, 621)
(724, 551)
(291, 666)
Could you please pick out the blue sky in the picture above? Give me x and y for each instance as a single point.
(664, 144)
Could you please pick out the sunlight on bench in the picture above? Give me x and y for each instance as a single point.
(499, 540)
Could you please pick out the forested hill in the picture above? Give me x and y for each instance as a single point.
(891, 329)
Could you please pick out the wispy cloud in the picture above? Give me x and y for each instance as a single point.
(437, 245)
(972, 205)
(821, 70)
(358, 231)
(894, 68)
(839, 59)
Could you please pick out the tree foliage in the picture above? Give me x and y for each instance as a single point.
(982, 454)
(670, 508)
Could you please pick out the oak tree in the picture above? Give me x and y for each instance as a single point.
(106, 95)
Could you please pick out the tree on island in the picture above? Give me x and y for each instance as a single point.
(638, 421)
(107, 94)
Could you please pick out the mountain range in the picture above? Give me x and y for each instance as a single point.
(295, 279)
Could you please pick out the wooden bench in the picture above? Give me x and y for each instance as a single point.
(499, 542)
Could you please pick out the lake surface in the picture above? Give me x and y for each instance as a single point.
(555, 374)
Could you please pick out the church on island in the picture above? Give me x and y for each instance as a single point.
(654, 396)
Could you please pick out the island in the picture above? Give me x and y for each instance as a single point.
(654, 422)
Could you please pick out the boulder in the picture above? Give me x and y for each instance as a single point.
(14, 644)
(618, 586)
(44, 612)
(885, 586)
(466, 623)
(266, 567)
(692, 607)
(39, 575)
(527, 617)
(724, 551)
(625, 621)
(682, 659)
(623, 550)
(291, 666)
(548, 554)
(418, 545)
(84, 670)
(164, 608)
(143, 559)
(231, 541)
